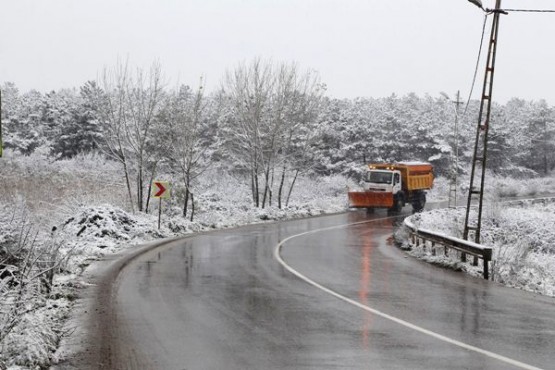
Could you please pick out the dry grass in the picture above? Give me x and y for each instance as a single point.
(51, 189)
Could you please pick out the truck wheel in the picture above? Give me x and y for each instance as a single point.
(419, 203)
(397, 205)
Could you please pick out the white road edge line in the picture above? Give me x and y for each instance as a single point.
(407, 324)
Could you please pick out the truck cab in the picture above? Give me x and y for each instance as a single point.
(382, 180)
(383, 188)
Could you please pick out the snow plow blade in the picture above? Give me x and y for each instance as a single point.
(369, 199)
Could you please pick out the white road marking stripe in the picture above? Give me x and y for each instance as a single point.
(407, 324)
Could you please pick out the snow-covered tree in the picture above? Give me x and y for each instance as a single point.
(296, 101)
(129, 106)
(188, 148)
(541, 130)
(22, 131)
(268, 105)
(248, 89)
(81, 131)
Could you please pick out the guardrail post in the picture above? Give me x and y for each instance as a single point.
(486, 258)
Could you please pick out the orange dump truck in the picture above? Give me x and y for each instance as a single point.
(392, 185)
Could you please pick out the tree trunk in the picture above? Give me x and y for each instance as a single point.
(140, 188)
(148, 196)
(187, 180)
(192, 206)
(149, 193)
(128, 183)
(281, 183)
(271, 188)
(255, 187)
(186, 202)
(545, 166)
(266, 185)
(291, 187)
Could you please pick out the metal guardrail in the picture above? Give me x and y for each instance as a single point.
(448, 242)
(464, 246)
(522, 202)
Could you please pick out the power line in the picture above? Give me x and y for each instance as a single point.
(489, 12)
(477, 64)
(531, 10)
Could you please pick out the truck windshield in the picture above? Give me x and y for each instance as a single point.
(379, 177)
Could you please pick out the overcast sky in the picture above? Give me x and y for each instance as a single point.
(369, 48)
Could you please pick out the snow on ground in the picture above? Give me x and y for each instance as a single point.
(77, 211)
(521, 233)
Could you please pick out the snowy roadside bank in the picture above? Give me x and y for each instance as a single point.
(521, 233)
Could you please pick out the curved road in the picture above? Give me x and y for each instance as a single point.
(329, 296)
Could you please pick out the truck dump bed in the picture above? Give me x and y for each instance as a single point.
(415, 175)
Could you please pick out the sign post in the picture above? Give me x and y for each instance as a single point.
(160, 190)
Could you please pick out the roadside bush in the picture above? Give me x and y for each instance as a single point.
(28, 263)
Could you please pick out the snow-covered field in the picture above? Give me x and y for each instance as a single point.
(521, 234)
(59, 216)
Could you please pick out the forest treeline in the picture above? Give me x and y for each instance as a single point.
(267, 123)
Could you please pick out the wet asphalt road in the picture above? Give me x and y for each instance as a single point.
(221, 300)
